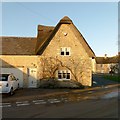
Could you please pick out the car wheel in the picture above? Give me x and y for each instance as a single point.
(11, 91)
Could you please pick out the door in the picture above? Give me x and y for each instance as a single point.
(32, 77)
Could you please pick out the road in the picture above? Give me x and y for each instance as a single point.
(101, 103)
(97, 102)
(84, 109)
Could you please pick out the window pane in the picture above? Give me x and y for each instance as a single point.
(59, 76)
(64, 75)
(67, 53)
(62, 53)
(66, 49)
(4, 77)
(68, 75)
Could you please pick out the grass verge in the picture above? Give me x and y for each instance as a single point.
(115, 78)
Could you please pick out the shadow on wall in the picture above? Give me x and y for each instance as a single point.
(26, 76)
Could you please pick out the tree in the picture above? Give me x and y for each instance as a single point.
(77, 66)
(114, 68)
(49, 66)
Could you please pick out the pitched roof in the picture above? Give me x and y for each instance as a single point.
(82, 41)
(66, 20)
(43, 34)
(33, 46)
(107, 60)
(17, 45)
(44, 41)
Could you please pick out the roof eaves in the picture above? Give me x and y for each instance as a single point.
(89, 51)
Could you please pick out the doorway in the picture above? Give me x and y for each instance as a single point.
(32, 77)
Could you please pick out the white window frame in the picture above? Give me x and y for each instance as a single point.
(62, 74)
(65, 50)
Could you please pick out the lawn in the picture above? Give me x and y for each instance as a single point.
(113, 77)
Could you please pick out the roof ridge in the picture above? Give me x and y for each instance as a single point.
(65, 20)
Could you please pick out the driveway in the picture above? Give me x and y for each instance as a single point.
(99, 81)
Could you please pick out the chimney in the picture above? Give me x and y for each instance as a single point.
(105, 56)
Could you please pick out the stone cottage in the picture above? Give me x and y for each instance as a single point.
(60, 53)
(107, 64)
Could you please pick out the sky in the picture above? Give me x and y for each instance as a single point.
(97, 21)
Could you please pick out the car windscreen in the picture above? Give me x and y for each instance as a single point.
(4, 77)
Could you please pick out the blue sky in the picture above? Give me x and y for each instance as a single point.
(98, 22)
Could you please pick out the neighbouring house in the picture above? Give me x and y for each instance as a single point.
(119, 62)
(107, 64)
(60, 53)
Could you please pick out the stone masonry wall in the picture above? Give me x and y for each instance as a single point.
(66, 38)
(16, 61)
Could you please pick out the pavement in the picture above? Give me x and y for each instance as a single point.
(36, 93)
(47, 96)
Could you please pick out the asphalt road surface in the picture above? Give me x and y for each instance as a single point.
(98, 80)
(85, 109)
(92, 104)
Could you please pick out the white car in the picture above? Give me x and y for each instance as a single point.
(8, 83)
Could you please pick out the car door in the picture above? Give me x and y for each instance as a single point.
(14, 83)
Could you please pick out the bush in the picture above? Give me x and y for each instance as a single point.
(54, 83)
(48, 83)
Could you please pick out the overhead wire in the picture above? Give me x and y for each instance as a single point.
(34, 12)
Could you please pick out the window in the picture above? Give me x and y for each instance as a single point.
(65, 51)
(4, 77)
(68, 75)
(59, 75)
(64, 75)
(13, 78)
